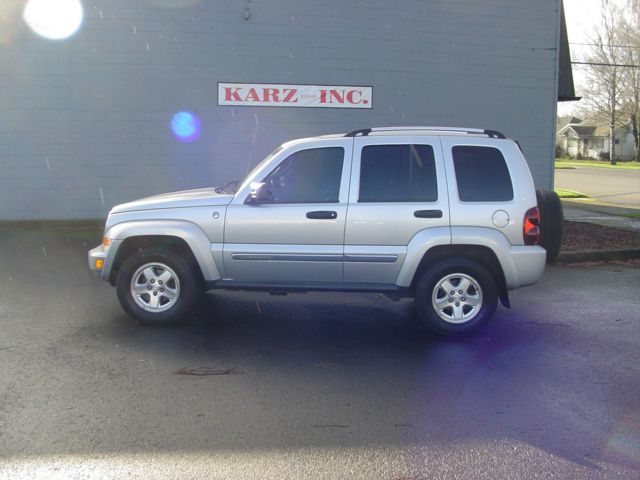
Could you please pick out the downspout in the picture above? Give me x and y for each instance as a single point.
(553, 122)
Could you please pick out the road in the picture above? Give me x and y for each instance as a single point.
(618, 187)
(311, 386)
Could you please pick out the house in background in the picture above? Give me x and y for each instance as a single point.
(591, 139)
(564, 121)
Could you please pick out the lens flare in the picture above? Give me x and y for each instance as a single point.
(9, 28)
(54, 19)
(185, 126)
(624, 443)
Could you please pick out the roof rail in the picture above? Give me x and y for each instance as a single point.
(471, 131)
(494, 134)
(363, 132)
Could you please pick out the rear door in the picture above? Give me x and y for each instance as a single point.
(398, 188)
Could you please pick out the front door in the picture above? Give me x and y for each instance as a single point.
(295, 234)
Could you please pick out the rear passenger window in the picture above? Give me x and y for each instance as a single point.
(482, 174)
(398, 173)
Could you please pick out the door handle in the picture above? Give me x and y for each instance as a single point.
(322, 215)
(428, 214)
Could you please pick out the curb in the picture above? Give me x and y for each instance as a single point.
(598, 255)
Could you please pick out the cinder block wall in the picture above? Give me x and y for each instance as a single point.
(85, 122)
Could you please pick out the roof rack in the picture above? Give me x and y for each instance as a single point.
(471, 131)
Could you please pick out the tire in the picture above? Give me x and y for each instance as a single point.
(157, 287)
(475, 305)
(551, 220)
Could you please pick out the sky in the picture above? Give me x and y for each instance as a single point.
(581, 16)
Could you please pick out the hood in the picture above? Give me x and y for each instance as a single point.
(202, 197)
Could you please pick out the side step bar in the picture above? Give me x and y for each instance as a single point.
(280, 288)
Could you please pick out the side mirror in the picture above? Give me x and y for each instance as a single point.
(257, 193)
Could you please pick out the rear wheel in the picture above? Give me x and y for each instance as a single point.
(156, 286)
(456, 296)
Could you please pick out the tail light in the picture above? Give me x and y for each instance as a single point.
(531, 229)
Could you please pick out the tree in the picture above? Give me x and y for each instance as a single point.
(631, 84)
(603, 93)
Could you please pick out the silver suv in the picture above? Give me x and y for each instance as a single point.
(445, 215)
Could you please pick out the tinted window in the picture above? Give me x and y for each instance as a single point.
(308, 176)
(482, 174)
(398, 173)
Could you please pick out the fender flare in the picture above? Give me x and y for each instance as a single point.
(494, 241)
(418, 246)
(428, 238)
(192, 234)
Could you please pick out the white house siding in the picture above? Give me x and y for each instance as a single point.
(84, 122)
(625, 149)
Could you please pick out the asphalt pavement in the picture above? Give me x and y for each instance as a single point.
(340, 386)
(615, 187)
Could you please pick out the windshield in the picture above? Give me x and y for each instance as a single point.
(257, 167)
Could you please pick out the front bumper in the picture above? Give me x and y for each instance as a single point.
(97, 257)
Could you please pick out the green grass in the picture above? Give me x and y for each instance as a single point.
(569, 163)
(562, 193)
(631, 215)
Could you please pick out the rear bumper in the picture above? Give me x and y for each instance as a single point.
(528, 263)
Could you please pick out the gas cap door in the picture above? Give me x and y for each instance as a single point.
(500, 218)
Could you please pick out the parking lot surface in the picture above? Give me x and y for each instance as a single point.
(340, 386)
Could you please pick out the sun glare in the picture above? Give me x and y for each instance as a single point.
(54, 19)
(185, 126)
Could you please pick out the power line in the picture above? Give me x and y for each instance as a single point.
(604, 45)
(625, 65)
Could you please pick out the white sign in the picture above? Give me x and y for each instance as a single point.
(276, 95)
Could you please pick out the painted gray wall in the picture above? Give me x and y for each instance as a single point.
(85, 122)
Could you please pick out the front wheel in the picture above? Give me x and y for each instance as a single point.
(456, 296)
(156, 286)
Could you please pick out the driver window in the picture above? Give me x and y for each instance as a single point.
(308, 176)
